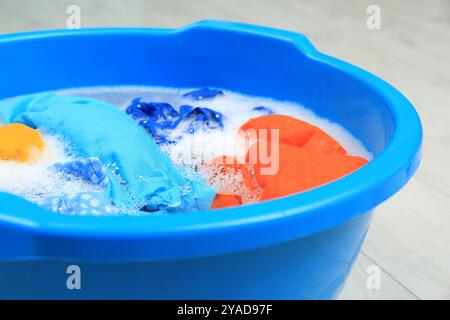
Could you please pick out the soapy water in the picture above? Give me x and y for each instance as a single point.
(200, 147)
(195, 151)
(37, 181)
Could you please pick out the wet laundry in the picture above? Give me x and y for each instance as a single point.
(120, 162)
(90, 170)
(308, 157)
(160, 118)
(204, 93)
(140, 174)
(84, 203)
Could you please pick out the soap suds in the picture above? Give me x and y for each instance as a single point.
(195, 151)
(37, 180)
(237, 109)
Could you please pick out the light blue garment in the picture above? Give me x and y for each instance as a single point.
(141, 175)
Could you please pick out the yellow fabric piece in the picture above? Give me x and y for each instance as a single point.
(20, 143)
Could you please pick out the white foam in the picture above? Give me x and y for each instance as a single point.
(237, 109)
(194, 151)
(37, 180)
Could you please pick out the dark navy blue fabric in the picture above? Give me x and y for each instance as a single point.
(204, 93)
(201, 118)
(159, 117)
(263, 109)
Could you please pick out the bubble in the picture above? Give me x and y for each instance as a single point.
(37, 180)
(193, 152)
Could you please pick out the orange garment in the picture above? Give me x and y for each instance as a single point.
(308, 157)
(302, 169)
(20, 143)
(249, 185)
(296, 133)
(226, 200)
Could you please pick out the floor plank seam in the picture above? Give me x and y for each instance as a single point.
(442, 192)
(390, 275)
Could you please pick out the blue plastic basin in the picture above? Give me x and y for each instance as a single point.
(301, 246)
